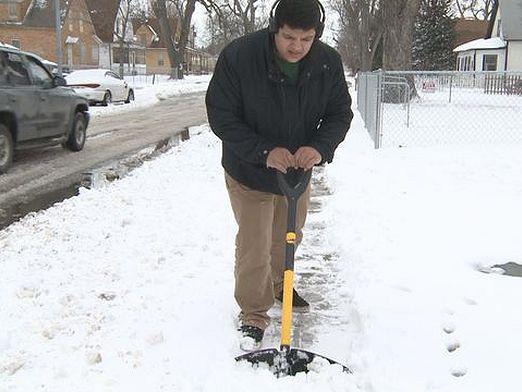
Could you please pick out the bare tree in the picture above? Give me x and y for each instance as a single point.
(183, 11)
(123, 32)
(361, 31)
(159, 8)
(399, 17)
(230, 19)
(478, 9)
(186, 10)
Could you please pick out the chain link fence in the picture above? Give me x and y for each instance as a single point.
(440, 108)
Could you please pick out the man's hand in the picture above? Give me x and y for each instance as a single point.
(307, 157)
(280, 158)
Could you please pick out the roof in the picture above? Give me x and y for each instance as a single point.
(482, 43)
(41, 13)
(103, 15)
(154, 27)
(511, 14)
(469, 29)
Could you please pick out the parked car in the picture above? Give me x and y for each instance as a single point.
(100, 86)
(36, 109)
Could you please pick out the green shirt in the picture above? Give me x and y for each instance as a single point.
(291, 70)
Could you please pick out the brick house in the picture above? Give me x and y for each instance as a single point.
(148, 35)
(117, 41)
(29, 25)
(157, 58)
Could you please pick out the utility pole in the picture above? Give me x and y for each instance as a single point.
(58, 29)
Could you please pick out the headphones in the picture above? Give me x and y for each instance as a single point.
(272, 23)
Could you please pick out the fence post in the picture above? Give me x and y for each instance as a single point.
(451, 85)
(378, 108)
(366, 96)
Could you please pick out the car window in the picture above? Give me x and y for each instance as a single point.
(3, 70)
(16, 71)
(113, 75)
(39, 74)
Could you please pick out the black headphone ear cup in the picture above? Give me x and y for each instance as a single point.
(319, 30)
(272, 25)
(272, 28)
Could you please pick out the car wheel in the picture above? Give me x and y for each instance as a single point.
(6, 149)
(107, 99)
(130, 97)
(76, 139)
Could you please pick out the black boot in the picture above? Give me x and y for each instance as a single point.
(298, 302)
(251, 337)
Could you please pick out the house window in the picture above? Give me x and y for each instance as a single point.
(16, 42)
(95, 52)
(82, 52)
(13, 10)
(143, 39)
(161, 59)
(489, 62)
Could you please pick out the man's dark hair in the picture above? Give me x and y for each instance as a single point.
(298, 14)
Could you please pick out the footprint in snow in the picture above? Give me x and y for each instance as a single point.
(459, 372)
(449, 327)
(452, 347)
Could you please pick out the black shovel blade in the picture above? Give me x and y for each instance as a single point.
(288, 362)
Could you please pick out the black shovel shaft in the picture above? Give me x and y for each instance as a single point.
(292, 193)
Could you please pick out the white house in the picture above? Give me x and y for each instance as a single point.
(501, 48)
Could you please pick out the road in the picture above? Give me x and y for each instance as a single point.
(45, 174)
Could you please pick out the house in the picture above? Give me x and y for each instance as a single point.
(157, 59)
(501, 48)
(30, 26)
(148, 35)
(115, 30)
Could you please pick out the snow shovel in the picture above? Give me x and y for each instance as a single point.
(288, 361)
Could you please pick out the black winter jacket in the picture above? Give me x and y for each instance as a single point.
(253, 108)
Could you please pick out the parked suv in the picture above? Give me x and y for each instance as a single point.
(36, 109)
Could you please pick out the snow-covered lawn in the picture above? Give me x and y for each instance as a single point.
(129, 287)
(147, 94)
(471, 117)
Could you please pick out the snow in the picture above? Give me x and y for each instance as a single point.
(482, 43)
(129, 286)
(458, 116)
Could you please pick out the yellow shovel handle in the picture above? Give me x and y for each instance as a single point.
(286, 318)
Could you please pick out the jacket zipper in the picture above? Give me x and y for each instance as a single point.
(283, 95)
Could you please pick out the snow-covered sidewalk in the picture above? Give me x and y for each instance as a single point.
(130, 287)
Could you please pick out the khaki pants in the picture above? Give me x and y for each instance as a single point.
(260, 247)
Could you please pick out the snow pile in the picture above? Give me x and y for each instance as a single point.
(417, 227)
(130, 288)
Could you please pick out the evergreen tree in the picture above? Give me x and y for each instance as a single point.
(433, 37)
